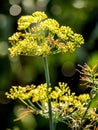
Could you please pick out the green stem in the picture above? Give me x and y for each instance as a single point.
(86, 110)
(93, 93)
(30, 105)
(47, 76)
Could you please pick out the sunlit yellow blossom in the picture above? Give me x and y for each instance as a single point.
(65, 32)
(64, 88)
(40, 93)
(15, 37)
(51, 25)
(70, 110)
(78, 104)
(42, 36)
(92, 114)
(39, 16)
(16, 92)
(54, 95)
(84, 97)
(20, 92)
(24, 22)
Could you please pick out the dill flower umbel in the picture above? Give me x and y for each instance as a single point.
(66, 106)
(39, 35)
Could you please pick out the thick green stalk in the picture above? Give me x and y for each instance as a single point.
(47, 76)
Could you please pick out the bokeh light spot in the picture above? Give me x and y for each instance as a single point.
(15, 10)
(79, 4)
(56, 10)
(3, 48)
(28, 5)
(68, 69)
(42, 3)
(12, 2)
(3, 20)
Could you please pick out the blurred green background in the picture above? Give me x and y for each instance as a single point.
(81, 16)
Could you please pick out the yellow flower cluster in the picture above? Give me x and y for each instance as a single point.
(20, 92)
(25, 21)
(64, 103)
(40, 36)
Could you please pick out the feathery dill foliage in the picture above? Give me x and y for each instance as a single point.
(89, 76)
(39, 35)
